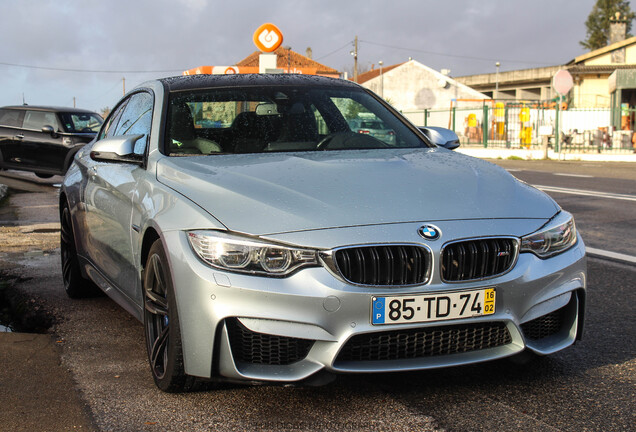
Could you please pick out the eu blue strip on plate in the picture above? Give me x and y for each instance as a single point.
(378, 311)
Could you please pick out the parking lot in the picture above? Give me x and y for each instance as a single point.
(590, 386)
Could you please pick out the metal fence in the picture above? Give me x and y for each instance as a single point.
(533, 126)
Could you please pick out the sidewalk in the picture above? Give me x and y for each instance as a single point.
(539, 154)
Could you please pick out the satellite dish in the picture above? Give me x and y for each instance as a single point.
(442, 83)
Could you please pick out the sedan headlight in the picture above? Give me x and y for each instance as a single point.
(555, 237)
(247, 255)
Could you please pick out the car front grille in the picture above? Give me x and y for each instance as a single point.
(477, 259)
(545, 325)
(424, 342)
(264, 349)
(384, 265)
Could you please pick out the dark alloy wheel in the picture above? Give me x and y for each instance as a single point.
(75, 285)
(163, 335)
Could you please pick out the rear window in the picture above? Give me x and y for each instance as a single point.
(9, 117)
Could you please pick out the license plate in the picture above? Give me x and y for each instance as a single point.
(432, 307)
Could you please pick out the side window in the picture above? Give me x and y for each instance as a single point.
(137, 119)
(111, 124)
(320, 121)
(10, 117)
(36, 120)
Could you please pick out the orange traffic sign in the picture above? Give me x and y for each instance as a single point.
(268, 37)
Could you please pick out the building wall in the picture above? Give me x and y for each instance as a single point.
(602, 60)
(592, 91)
(414, 87)
(630, 55)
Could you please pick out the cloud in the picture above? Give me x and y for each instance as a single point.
(164, 35)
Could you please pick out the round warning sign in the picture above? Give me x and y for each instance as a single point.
(268, 37)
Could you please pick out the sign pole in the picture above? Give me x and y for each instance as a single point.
(562, 83)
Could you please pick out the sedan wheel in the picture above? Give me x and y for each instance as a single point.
(163, 335)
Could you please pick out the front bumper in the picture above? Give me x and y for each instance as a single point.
(256, 328)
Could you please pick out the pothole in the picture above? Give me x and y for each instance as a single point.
(20, 312)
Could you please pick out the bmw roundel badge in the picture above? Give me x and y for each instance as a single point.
(429, 232)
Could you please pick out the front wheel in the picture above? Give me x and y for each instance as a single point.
(161, 323)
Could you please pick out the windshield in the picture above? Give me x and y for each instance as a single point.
(278, 119)
(81, 122)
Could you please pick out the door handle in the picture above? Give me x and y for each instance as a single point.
(19, 137)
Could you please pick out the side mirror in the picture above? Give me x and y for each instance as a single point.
(49, 130)
(117, 149)
(441, 136)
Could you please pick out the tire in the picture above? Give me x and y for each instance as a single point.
(161, 324)
(75, 285)
(44, 176)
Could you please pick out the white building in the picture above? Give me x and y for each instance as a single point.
(412, 87)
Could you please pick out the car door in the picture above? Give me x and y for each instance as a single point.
(110, 192)
(42, 150)
(10, 124)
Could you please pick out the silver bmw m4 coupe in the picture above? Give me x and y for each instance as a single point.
(259, 238)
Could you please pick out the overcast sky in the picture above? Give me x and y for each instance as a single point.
(100, 42)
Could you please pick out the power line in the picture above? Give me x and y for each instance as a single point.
(454, 55)
(335, 51)
(89, 70)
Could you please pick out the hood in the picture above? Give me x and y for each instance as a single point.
(270, 193)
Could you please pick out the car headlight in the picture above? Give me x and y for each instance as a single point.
(555, 237)
(247, 255)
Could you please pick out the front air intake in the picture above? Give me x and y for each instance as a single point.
(383, 265)
(478, 259)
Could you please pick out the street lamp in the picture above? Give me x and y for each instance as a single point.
(497, 80)
(381, 80)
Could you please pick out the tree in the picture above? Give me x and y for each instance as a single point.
(598, 22)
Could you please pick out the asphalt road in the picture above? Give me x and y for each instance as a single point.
(588, 387)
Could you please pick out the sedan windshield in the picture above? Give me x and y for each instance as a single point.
(279, 119)
(81, 122)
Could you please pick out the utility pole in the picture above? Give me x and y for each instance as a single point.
(381, 63)
(73, 101)
(123, 80)
(354, 53)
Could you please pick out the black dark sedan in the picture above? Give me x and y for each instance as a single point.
(44, 139)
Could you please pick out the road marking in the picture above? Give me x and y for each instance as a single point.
(612, 255)
(596, 194)
(573, 175)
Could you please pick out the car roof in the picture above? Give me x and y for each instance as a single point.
(48, 108)
(192, 82)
